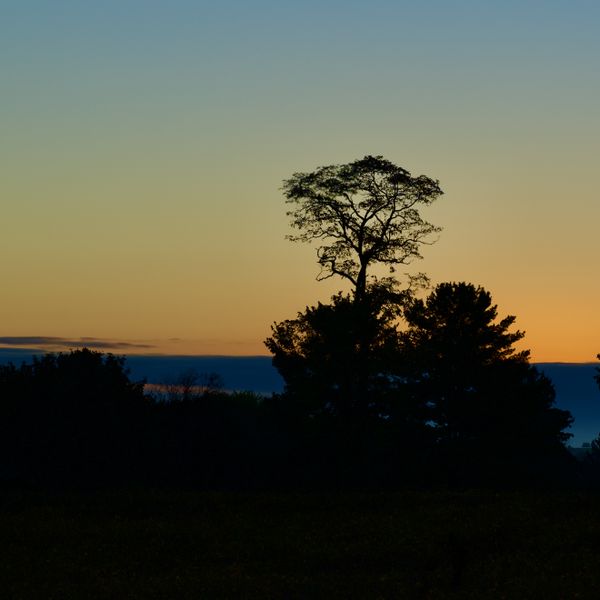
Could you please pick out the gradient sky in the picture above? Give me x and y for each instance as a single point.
(143, 144)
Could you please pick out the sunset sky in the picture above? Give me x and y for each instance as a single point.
(143, 145)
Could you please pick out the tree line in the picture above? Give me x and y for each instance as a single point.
(391, 383)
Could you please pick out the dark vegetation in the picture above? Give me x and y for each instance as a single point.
(351, 483)
(176, 544)
(385, 387)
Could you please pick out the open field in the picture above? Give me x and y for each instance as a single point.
(361, 545)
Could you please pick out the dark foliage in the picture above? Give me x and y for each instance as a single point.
(69, 418)
(365, 406)
(76, 419)
(335, 358)
(339, 364)
(362, 213)
(489, 408)
(449, 398)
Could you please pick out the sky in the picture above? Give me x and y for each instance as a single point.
(143, 145)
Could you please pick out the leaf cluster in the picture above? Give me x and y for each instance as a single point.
(360, 214)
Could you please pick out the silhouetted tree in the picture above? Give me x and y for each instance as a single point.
(70, 416)
(189, 385)
(77, 419)
(343, 401)
(486, 402)
(592, 457)
(362, 213)
(593, 451)
(319, 357)
(338, 360)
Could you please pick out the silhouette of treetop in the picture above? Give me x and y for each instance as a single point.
(362, 213)
(458, 323)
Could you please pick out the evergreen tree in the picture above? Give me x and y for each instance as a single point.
(487, 404)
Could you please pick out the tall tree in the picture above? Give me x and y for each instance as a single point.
(361, 213)
(485, 398)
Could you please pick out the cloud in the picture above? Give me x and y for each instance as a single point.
(48, 342)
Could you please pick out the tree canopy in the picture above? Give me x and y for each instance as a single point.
(361, 213)
(453, 374)
(334, 358)
(482, 394)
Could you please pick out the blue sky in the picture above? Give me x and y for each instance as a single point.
(144, 145)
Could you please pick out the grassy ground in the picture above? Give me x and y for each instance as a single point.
(351, 545)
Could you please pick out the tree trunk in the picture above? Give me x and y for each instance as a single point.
(361, 284)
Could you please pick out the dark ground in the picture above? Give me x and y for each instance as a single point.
(170, 544)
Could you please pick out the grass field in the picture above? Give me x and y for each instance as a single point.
(163, 544)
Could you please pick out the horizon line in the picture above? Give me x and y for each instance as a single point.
(38, 351)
